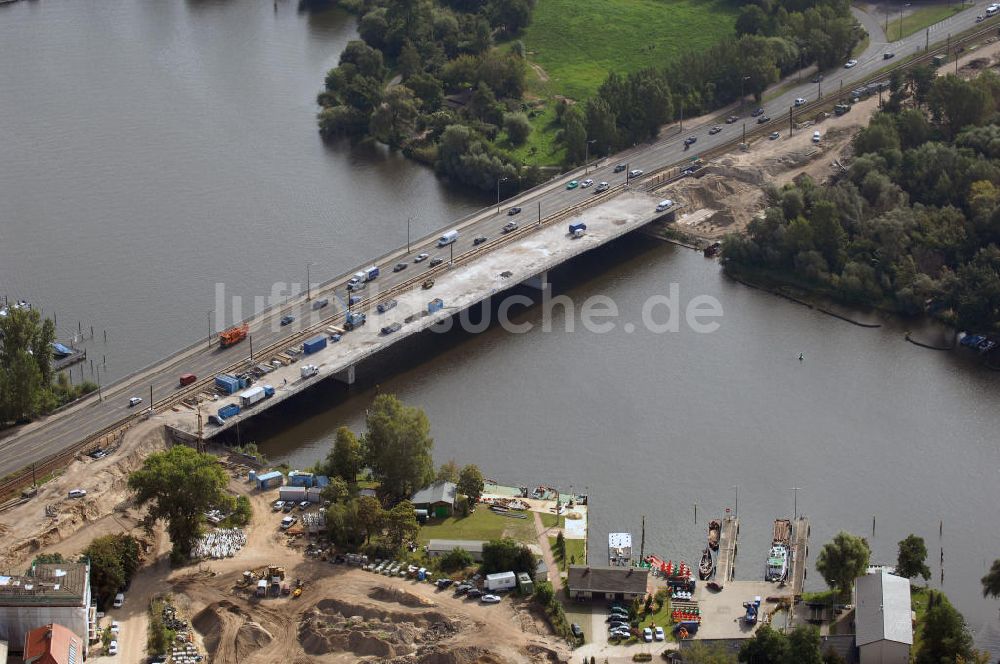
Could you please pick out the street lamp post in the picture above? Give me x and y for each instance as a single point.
(736, 510)
(208, 315)
(743, 80)
(308, 282)
(586, 158)
(408, 220)
(499, 180)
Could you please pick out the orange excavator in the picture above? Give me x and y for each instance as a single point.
(233, 335)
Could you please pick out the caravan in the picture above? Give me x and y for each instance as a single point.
(447, 238)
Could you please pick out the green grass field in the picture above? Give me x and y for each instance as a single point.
(919, 19)
(480, 525)
(578, 43)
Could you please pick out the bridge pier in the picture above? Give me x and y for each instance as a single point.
(539, 281)
(346, 376)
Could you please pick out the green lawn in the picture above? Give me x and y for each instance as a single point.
(576, 550)
(578, 43)
(480, 525)
(919, 19)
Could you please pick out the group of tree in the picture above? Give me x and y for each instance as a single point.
(800, 646)
(363, 522)
(391, 85)
(914, 224)
(507, 555)
(28, 386)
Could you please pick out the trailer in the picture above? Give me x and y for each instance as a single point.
(229, 411)
(354, 319)
(578, 229)
(501, 581)
(268, 391)
(252, 396)
(362, 277)
(313, 345)
(308, 371)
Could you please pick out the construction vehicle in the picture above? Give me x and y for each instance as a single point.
(354, 319)
(233, 335)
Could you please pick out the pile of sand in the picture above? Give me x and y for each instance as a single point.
(250, 638)
(399, 596)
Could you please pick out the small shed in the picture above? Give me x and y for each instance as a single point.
(438, 499)
(270, 480)
(440, 547)
(525, 586)
(883, 618)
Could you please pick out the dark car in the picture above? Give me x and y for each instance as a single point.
(287, 320)
(427, 284)
(475, 592)
(714, 130)
(817, 78)
(577, 632)
(437, 260)
(462, 588)
(385, 306)
(888, 56)
(399, 267)
(479, 239)
(690, 140)
(759, 111)
(731, 119)
(764, 118)
(619, 168)
(512, 211)
(509, 226)
(354, 299)
(443, 583)
(389, 329)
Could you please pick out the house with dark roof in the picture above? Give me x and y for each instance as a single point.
(57, 593)
(883, 618)
(438, 499)
(52, 644)
(618, 583)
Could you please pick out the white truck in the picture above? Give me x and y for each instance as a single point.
(308, 370)
(252, 396)
(501, 581)
(447, 238)
(359, 279)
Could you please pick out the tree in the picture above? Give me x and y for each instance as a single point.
(370, 516)
(48, 559)
(507, 555)
(991, 582)
(544, 593)
(398, 447)
(337, 491)
(944, 636)
(699, 653)
(114, 560)
(393, 118)
(456, 559)
(448, 472)
(347, 456)
(400, 525)
(517, 126)
(25, 364)
(179, 486)
(470, 483)
(574, 135)
(766, 647)
(912, 558)
(409, 62)
(804, 646)
(843, 560)
(560, 545)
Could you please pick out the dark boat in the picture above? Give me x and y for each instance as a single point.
(707, 565)
(714, 531)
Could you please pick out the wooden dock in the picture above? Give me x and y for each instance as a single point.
(800, 554)
(726, 564)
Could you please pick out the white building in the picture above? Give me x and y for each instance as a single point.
(883, 618)
(48, 593)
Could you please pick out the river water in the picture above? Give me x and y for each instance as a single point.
(153, 149)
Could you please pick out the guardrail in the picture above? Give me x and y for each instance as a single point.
(20, 479)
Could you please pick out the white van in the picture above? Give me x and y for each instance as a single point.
(119, 600)
(816, 137)
(664, 204)
(447, 238)
(992, 9)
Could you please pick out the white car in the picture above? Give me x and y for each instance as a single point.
(489, 599)
(278, 504)
(647, 635)
(602, 186)
(658, 634)
(119, 600)
(421, 258)
(586, 183)
(634, 173)
(799, 101)
(77, 493)
(113, 648)
(134, 401)
(115, 627)
(816, 137)
(850, 63)
(664, 204)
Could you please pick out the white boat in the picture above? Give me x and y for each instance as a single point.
(777, 563)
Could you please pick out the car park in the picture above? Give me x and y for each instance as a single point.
(634, 173)
(658, 634)
(512, 211)
(759, 111)
(77, 493)
(287, 320)
(690, 140)
(437, 260)
(385, 306)
(509, 226)
(764, 118)
(799, 101)
(731, 119)
(850, 63)
(714, 130)
(427, 284)
(479, 240)
(489, 599)
(774, 136)
(888, 55)
(134, 401)
(647, 635)
(421, 258)
(389, 329)
(619, 168)
(572, 184)
(399, 267)
(601, 186)
(586, 183)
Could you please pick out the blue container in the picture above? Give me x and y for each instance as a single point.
(229, 411)
(317, 343)
(228, 384)
(268, 391)
(437, 304)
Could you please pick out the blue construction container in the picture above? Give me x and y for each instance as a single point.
(321, 481)
(252, 476)
(268, 391)
(270, 480)
(229, 411)
(298, 478)
(437, 304)
(228, 384)
(317, 343)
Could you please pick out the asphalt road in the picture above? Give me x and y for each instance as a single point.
(59, 432)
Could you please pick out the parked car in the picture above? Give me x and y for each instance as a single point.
(774, 136)
(512, 211)
(509, 226)
(764, 118)
(97, 454)
(474, 593)
(421, 258)
(385, 306)
(850, 63)
(77, 493)
(601, 186)
(799, 101)
(635, 172)
(288, 506)
(278, 504)
(816, 137)
(443, 583)
(888, 55)
(437, 260)
(619, 168)
(714, 130)
(731, 119)
(389, 329)
(577, 632)
(647, 635)
(586, 183)
(119, 600)
(479, 240)
(658, 634)
(664, 204)
(115, 627)
(287, 320)
(427, 284)
(489, 599)
(759, 111)
(304, 505)
(113, 647)
(980, 18)
(690, 140)
(572, 184)
(134, 401)
(462, 588)
(399, 267)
